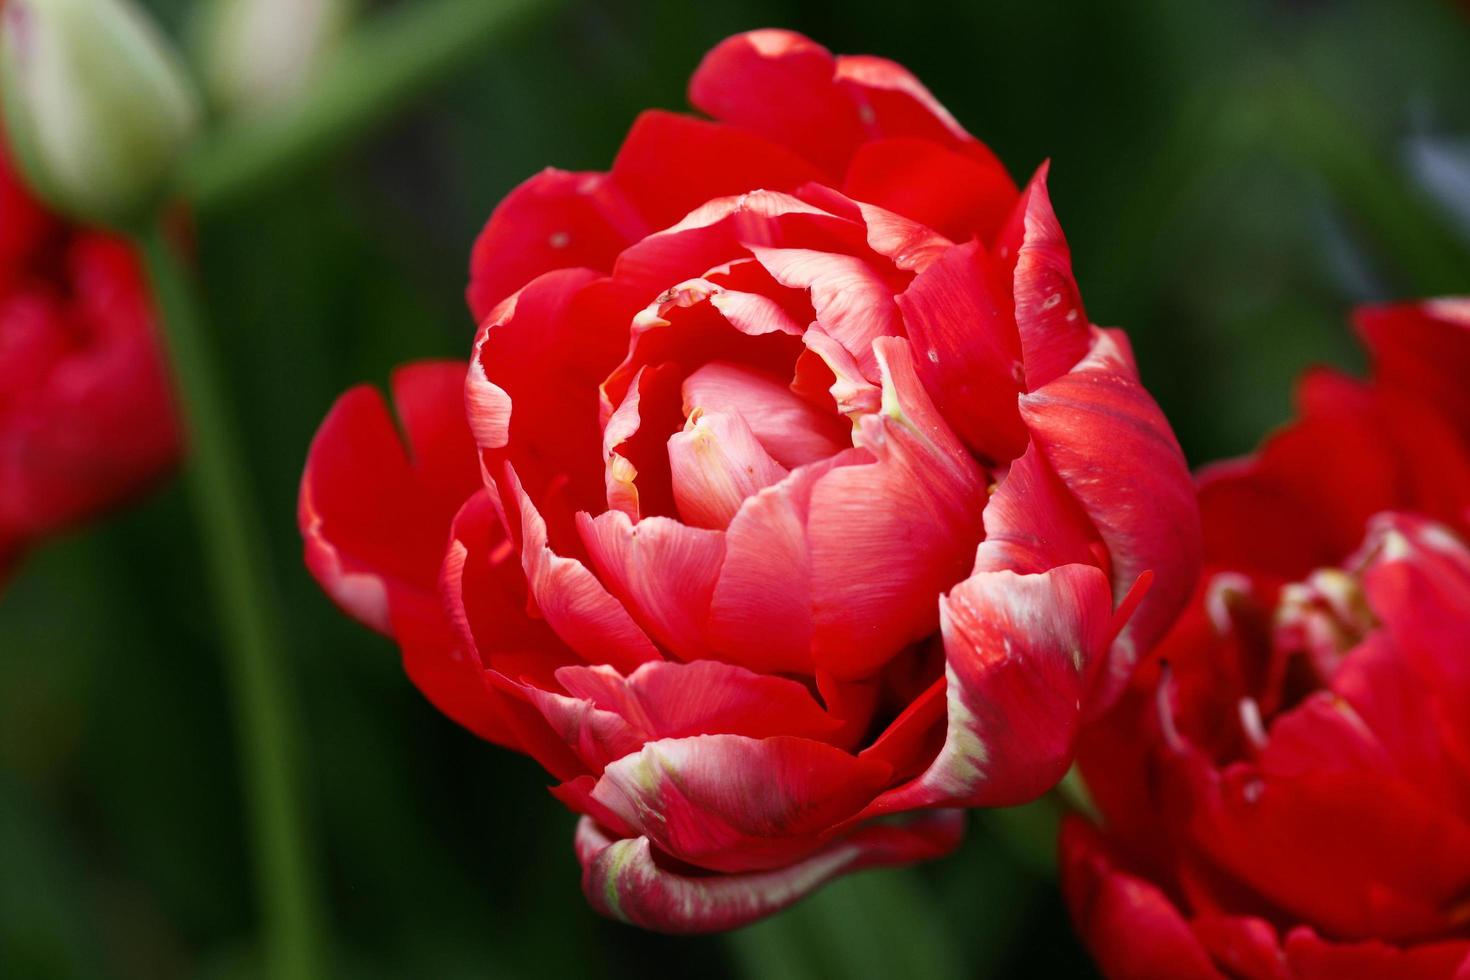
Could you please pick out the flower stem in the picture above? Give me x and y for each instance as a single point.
(374, 71)
(230, 534)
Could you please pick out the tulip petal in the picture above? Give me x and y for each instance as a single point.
(731, 803)
(670, 164)
(662, 570)
(1049, 316)
(574, 603)
(531, 392)
(887, 537)
(956, 194)
(1109, 444)
(1130, 926)
(375, 514)
(666, 699)
(622, 879)
(1423, 348)
(761, 611)
(1017, 649)
(717, 463)
(780, 85)
(787, 426)
(555, 220)
(853, 304)
(1310, 957)
(1033, 523)
(957, 314)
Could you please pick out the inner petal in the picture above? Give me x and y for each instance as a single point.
(788, 427)
(716, 463)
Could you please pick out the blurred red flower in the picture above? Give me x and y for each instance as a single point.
(86, 412)
(788, 488)
(1285, 788)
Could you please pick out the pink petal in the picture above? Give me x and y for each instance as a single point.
(787, 426)
(719, 231)
(717, 463)
(909, 244)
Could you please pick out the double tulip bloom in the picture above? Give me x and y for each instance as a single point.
(789, 499)
(86, 413)
(1285, 789)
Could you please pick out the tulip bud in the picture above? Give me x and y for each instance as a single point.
(257, 54)
(98, 106)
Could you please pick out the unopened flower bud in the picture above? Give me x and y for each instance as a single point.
(257, 54)
(98, 107)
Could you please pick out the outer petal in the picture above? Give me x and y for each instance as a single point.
(531, 394)
(670, 164)
(1033, 523)
(555, 220)
(622, 880)
(780, 85)
(732, 803)
(375, 519)
(1423, 348)
(958, 195)
(376, 516)
(1016, 652)
(1130, 926)
(1111, 446)
(1049, 316)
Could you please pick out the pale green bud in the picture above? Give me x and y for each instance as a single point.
(98, 106)
(257, 54)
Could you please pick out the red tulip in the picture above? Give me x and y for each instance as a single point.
(789, 489)
(1285, 788)
(86, 417)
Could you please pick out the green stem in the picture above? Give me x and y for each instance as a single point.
(231, 536)
(376, 70)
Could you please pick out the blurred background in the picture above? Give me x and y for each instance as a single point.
(1233, 177)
